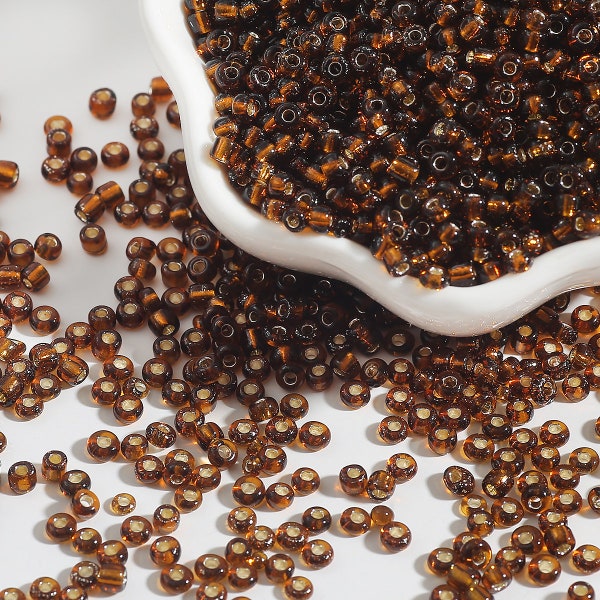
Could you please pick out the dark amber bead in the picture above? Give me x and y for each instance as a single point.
(511, 558)
(458, 480)
(314, 435)
(241, 519)
(136, 530)
(206, 477)
(9, 174)
(74, 480)
(462, 576)
(176, 578)
(85, 574)
(402, 467)
(93, 239)
(248, 490)
(295, 406)
(528, 539)
(20, 252)
(442, 439)
(580, 590)
(211, 591)
(353, 480)
(261, 538)
(238, 550)
(89, 208)
(586, 558)
(444, 592)
(316, 519)
(165, 550)
(28, 406)
(103, 446)
(114, 154)
(123, 504)
(161, 434)
(128, 408)
(55, 169)
(86, 540)
(54, 464)
(242, 577)
(585, 319)
(507, 512)
(35, 276)
(305, 480)
(134, 446)
(544, 569)
(166, 518)
(44, 588)
(355, 394)
(112, 552)
(102, 103)
(355, 521)
(523, 440)
(279, 496)
(380, 485)
(112, 578)
(421, 418)
(187, 497)
(149, 468)
(71, 369)
(10, 277)
(80, 183)
(22, 477)
(60, 527)
(559, 540)
(563, 477)
(568, 501)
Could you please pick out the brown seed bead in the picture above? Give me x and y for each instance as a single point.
(211, 591)
(480, 522)
(207, 478)
(58, 143)
(462, 576)
(112, 578)
(510, 557)
(176, 578)
(60, 527)
(403, 467)
(20, 252)
(86, 540)
(173, 116)
(421, 418)
(112, 552)
(472, 502)
(314, 435)
(165, 550)
(355, 521)
(380, 485)
(48, 246)
(136, 387)
(222, 453)
(122, 504)
(85, 574)
(497, 483)
(554, 433)
(93, 239)
(279, 495)
(151, 149)
(44, 588)
(160, 90)
(563, 477)
(187, 497)
(559, 540)
(294, 406)
(248, 490)
(575, 387)
(507, 512)
(279, 568)
(298, 588)
(305, 480)
(55, 169)
(544, 569)
(242, 577)
(85, 504)
(58, 122)
(166, 518)
(523, 440)
(142, 104)
(9, 174)
(114, 154)
(580, 590)
(281, 430)
(395, 536)
(84, 160)
(316, 519)
(353, 480)
(10, 277)
(143, 127)
(22, 477)
(584, 460)
(545, 458)
(355, 394)
(28, 406)
(74, 480)
(381, 515)
(102, 103)
(241, 519)
(161, 435)
(134, 446)
(103, 445)
(527, 538)
(243, 431)
(551, 518)
(444, 592)
(35, 277)
(442, 439)
(261, 538)
(136, 530)
(441, 559)
(458, 480)
(238, 550)
(54, 465)
(585, 319)
(80, 183)
(291, 536)
(149, 469)
(128, 408)
(586, 558)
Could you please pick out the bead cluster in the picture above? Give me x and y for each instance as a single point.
(456, 140)
(251, 321)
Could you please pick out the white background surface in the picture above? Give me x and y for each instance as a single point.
(53, 56)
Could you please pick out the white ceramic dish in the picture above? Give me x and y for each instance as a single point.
(453, 311)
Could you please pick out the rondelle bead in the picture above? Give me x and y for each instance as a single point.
(545, 458)
(248, 490)
(444, 592)
(85, 574)
(243, 576)
(112, 552)
(114, 154)
(279, 495)
(136, 530)
(22, 477)
(458, 480)
(314, 435)
(149, 469)
(86, 540)
(60, 527)
(510, 557)
(73, 481)
(528, 539)
(122, 504)
(584, 460)
(208, 477)
(544, 569)
(176, 578)
(128, 408)
(166, 518)
(559, 540)
(55, 169)
(580, 590)
(44, 588)
(241, 519)
(554, 433)
(353, 480)
(355, 394)
(134, 446)
(80, 183)
(402, 467)
(102, 103)
(187, 497)
(279, 568)
(395, 536)
(298, 587)
(586, 558)
(316, 519)
(165, 550)
(355, 521)
(305, 480)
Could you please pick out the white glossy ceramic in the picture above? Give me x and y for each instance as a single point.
(453, 311)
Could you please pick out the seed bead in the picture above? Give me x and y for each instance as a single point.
(187, 497)
(136, 530)
(102, 103)
(211, 568)
(241, 519)
(510, 557)
(165, 550)
(166, 519)
(103, 446)
(85, 504)
(395, 536)
(305, 480)
(314, 435)
(86, 540)
(22, 477)
(586, 558)
(114, 154)
(298, 588)
(279, 568)
(580, 590)
(403, 467)
(112, 552)
(176, 578)
(355, 521)
(544, 569)
(44, 588)
(60, 527)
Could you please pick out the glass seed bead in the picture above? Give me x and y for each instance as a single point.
(60, 527)
(73, 481)
(44, 588)
(403, 467)
(54, 465)
(85, 574)
(261, 537)
(241, 519)
(187, 497)
(134, 446)
(207, 478)
(112, 552)
(122, 504)
(248, 490)
(149, 469)
(22, 477)
(528, 539)
(580, 590)
(102, 103)
(395, 536)
(242, 577)
(472, 502)
(291, 536)
(211, 591)
(444, 592)
(510, 557)
(544, 569)
(9, 174)
(238, 550)
(279, 495)
(128, 409)
(585, 319)
(458, 480)
(507, 512)
(86, 540)
(166, 518)
(559, 540)
(586, 558)
(380, 485)
(164, 551)
(314, 435)
(462, 576)
(85, 504)
(279, 568)
(441, 559)
(176, 578)
(316, 519)
(103, 446)
(305, 480)
(55, 169)
(353, 480)
(298, 588)
(136, 530)
(381, 515)
(80, 183)
(355, 521)
(112, 578)
(545, 458)
(480, 522)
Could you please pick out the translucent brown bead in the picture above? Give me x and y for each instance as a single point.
(85, 504)
(353, 480)
(112, 552)
(112, 578)
(314, 435)
(165, 550)
(544, 569)
(55, 169)
(134, 446)
(166, 518)
(241, 519)
(528, 539)
(279, 568)
(176, 578)
(122, 504)
(44, 588)
(128, 408)
(85, 574)
(149, 469)
(102, 103)
(248, 490)
(210, 568)
(580, 590)
(73, 481)
(93, 239)
(86, 540)
(586, 558)
(187, 497)
(305, 480)
(22, 477)
(355, 521)
(54, 465)
(458, 480)
(403, 467)
(136, 530)
(60, 527)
